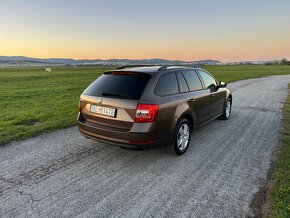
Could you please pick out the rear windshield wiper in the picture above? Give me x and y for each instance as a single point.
(115, 94)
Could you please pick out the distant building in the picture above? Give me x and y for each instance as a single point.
(47, 69)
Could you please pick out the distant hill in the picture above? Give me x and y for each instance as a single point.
(27, 61)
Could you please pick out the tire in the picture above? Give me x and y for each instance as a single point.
(181, 138)
(227, 110)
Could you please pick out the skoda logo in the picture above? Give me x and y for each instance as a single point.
(100, 101)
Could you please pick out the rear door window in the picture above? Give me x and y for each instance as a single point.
(182, 83)
(167, 85)
(119, 85)
(192, 80)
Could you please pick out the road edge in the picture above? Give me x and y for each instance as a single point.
(262, 204)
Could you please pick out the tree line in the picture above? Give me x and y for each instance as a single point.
(284, 61)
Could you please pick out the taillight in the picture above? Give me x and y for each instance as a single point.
(146, 113)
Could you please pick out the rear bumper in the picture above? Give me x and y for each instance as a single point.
(121, 138)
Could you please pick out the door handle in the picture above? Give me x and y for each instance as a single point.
(212, 95)
(192, 100)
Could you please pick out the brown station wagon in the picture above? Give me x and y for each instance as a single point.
(151, 106)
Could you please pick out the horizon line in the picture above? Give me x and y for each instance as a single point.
(118, 58)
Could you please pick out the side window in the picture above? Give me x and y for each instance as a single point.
(182, 83)
(208, 80)
(192, 80)
(167, 85)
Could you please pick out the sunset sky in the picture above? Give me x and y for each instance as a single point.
(226, 30)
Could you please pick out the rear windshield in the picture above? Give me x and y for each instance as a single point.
(119, 85)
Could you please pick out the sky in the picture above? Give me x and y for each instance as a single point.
(225, 30)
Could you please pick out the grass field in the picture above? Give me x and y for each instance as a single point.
(33, 101)
(280, 192)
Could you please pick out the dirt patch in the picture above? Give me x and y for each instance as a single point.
(27, 122)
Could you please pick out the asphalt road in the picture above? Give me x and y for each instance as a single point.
(62, 174)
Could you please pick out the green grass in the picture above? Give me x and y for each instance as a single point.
(33, 101)
(239, 72)
(280, 193)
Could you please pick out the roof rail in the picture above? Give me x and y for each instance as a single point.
(185, 65)
(141, 65)
(162, 67)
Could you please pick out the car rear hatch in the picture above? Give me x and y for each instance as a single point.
(111, 101)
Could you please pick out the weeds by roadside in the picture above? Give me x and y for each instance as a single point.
(279, 193)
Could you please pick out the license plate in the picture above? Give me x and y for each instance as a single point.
(111, 112)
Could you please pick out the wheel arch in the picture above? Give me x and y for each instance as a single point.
(189, 117)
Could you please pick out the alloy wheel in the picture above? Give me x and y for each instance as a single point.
(183, 137)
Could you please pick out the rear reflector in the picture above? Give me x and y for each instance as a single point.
(146, 113)
(142, 142)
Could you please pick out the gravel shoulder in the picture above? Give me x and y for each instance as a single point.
(62, 174)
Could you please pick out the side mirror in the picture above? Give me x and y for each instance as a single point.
(222, 84)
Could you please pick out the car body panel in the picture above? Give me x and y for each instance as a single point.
(200, 105)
